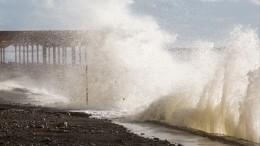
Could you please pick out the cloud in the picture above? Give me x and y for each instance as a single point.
(256, 1)
(59, 14)
(253, 1)
(82, 14)
(210, 0)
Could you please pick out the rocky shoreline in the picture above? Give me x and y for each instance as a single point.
(31, 125)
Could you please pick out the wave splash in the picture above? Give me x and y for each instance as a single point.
(204, 88)
(214, 90)
(229, 103)
(130, 69)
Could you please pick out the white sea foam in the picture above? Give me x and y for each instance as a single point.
(229, 101)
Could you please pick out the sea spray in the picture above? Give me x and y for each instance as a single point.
(249, 123)
(12, 91)
(128, 66)
(229, 102)
(130, 69)
(42, 85)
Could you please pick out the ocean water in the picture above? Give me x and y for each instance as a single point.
(134, 70)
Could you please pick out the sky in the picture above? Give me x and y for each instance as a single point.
(202, 18)
(190, 19)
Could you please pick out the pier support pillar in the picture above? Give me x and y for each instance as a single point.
(80, 55)
(87, 84)
(19, 53)
(49, 55)
(23, 54)
(86, 55)
(27, 53)
(37, 53)
(54, 55)
(1, 52)
(15, 52)
(65, 55)
(44, 53)
(3, 55)
(87, 100)
(58, 55)
(32, 54)
(73, 55)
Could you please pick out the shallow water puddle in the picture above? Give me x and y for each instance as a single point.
(174, 136)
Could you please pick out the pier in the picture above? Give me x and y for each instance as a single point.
(46, 47)
(44, 50)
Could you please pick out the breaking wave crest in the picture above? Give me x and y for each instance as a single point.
(228, 103)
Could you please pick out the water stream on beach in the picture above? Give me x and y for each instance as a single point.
(134, 70)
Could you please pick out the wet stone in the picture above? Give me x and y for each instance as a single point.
(62, 125)
(92, 144)
(46, 139)
(68, 130)
(31, 125)
(120, 141)
(39, 126)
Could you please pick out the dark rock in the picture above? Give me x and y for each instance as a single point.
(39, 126)
(80, 130)
(46, 139)
(62, 125)
(31, 125)
(166, 141)
(59, 114)
(78, 114)
(17, 144)
(156, 139)
(120, 141)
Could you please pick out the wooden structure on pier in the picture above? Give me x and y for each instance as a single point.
(40, 47)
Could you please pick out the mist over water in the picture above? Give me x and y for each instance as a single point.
(228, 102)
(132, 68)
(214, 90)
